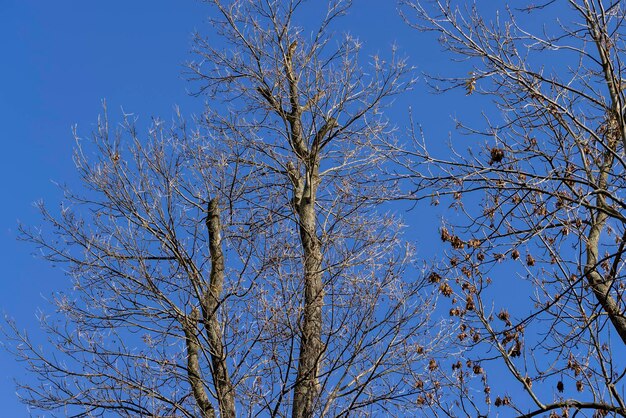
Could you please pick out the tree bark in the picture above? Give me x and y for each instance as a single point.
(190, 327)
(601, 286)
(210, 304)
(311, 348)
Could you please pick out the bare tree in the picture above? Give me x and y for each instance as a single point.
(243, 266)
(535, 267)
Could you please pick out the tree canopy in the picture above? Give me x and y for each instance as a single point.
(256, 259)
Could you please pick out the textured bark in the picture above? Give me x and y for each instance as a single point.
(190, 327)
(210, 304)
(303, 201)
(311, 348)
(602, 287)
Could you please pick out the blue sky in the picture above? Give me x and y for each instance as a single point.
(62, 58)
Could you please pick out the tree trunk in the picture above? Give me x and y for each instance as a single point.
(210, 305)
(311, 349)
(190, 327)
(602, 286)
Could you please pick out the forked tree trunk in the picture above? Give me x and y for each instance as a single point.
(210, 304)
(210, 301)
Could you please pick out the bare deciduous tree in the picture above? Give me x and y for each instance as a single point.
(535, 269)
(243, 266)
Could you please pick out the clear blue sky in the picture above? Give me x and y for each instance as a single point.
(61, 58)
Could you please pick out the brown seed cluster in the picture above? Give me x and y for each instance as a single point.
(502, 401)
(497, 155)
